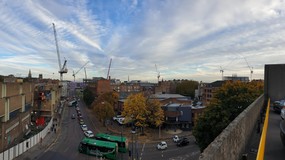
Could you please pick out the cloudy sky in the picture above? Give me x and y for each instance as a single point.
(185, 39)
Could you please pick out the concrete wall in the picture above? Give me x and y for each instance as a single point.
(274, 78)
(231, 143)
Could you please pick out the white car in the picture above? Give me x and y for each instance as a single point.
(84, 127)
(117, 117)
(282, 114)
(162, 145)
(89, 134)
(176, 139)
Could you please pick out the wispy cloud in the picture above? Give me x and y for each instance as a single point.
(186, 39)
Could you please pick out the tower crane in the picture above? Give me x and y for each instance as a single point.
(109, 69)
(74, 73)
(85, 74)
(222, 71)
(250, 68)
(62, 69)
(158, 74)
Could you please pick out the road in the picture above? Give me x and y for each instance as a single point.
(71, 134)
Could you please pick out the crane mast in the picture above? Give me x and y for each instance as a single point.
(62, 69)
(158, 74)
(109, 69)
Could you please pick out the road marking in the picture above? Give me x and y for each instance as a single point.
(142, 151)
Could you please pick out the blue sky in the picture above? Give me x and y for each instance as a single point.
(186, 39)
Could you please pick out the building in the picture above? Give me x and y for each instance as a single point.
(209, 90)
(16, 102)
(177, 116)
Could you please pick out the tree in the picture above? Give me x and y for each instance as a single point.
(104, 111)
(155, 113)
(228, 102)
(187, 88)
(104, 106)
(135, 110)
(88, 96)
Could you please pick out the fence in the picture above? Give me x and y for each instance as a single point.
(22, 147)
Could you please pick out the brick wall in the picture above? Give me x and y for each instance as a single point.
(231, 143)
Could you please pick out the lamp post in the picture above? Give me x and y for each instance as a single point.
(132, 132)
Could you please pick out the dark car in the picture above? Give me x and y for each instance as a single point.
(72, 116)
(282, 131)
(278, 105)
(183, 142)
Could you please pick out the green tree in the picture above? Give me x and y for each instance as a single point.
(228, 102)
(88, 96)
(187, 88)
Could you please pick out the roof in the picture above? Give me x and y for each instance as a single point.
(216, 84)
(111, 137)
(165, 96)
(99, 142)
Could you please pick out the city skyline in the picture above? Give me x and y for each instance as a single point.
(198, 40)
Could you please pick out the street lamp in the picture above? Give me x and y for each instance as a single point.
(133, 132)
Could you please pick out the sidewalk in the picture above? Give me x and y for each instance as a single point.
(40, 148)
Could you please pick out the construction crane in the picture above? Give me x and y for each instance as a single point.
(109, 69)
(62, 69)
(85, 74)
(158, 74)
(250, 69)
(74, 73)
(222, 71)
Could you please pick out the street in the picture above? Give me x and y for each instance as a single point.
(66, 146)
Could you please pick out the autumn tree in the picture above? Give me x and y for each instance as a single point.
(228, 102)
(135, 110)
(155, 115)
(104, 106)
(187, 88)
(104, 111)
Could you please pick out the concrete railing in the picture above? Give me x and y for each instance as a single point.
(24, 146)
(231, 143)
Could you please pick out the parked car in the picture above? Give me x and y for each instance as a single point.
(282, 131)
(278, 105)
(89, 134)
(81, 121)
(282, 114)
(117, 117)
(84, 127)
(162, 145)
(183, 142)
(175, 139)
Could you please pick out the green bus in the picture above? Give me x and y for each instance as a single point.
(98, 148)
(120, 140)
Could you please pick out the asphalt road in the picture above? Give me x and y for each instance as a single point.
(71, 134)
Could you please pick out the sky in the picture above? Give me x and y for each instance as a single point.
(176, 39)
